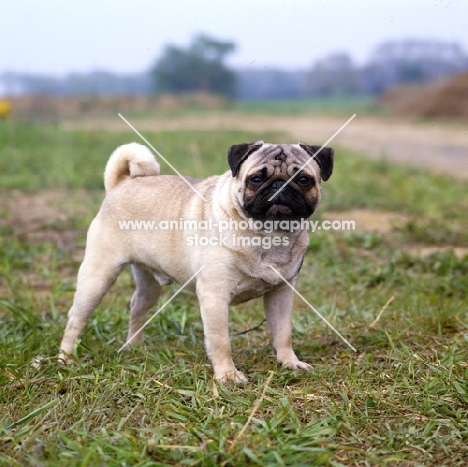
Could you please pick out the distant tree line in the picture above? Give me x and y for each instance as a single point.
(201, 67)
(97, 82)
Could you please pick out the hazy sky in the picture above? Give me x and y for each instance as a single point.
(61, 36)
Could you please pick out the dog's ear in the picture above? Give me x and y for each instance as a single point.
(324, 159)
(239, 153)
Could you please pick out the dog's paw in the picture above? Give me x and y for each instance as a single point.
(64, 359)
(297, 365)
(134, 339)
(231, 376)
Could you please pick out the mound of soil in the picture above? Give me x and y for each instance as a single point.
(447, 99)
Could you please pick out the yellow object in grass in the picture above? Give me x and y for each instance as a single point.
(5, 109)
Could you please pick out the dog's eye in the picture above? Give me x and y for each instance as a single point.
(304, 180)
(256, 180)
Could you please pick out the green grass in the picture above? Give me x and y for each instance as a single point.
(331, 106)
(44, 157)
(402, 399)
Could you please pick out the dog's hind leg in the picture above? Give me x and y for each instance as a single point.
(94, 279)
(145, 296)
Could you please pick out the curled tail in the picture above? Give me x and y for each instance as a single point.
(129, 160)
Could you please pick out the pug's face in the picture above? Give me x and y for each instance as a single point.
(279, 181)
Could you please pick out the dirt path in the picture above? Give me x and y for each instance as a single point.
(438, 146)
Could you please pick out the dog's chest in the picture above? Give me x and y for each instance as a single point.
(263, 278)
(249, 290)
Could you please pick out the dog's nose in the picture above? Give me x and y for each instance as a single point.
(277, 184)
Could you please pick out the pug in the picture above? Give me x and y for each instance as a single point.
(273, 184)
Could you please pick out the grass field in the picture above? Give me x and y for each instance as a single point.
(402, 399)
(339, 105)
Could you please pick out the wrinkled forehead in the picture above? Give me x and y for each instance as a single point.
(280, 158)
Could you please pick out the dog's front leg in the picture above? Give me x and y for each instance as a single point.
(215, 315)
(278, 305)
